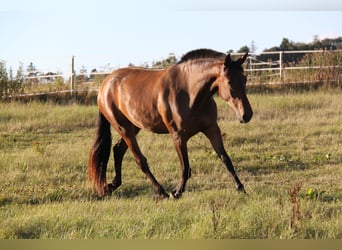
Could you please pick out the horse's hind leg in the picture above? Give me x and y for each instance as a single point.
(142, 162)
(119, 150)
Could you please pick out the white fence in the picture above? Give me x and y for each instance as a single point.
(274, 67)
(278, 65)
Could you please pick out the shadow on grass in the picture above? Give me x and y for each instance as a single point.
(132, 191)
(146, 190)
(33, 231)
(276, 167)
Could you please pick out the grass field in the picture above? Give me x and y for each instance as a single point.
(289, 158)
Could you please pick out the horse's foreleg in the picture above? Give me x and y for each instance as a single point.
(214, 135)
(182, 152)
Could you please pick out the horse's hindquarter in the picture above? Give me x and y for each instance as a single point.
(135, 94)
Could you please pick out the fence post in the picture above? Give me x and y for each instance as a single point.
(281, 65)
(72, 78)
(250, 66)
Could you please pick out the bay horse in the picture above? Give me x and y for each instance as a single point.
(177, 100)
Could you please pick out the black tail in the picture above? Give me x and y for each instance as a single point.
(99, 155)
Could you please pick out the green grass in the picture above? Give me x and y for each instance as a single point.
(293, 139)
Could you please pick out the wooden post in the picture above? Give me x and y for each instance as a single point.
(73, 76)
(250, 66)
(281, 65)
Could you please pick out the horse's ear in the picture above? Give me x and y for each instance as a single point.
(227, 60)
(243, 59)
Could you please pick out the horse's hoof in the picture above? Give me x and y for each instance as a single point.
(175, 195)
(108, 190)
(159, 197)
(241, 189)
(115, 184)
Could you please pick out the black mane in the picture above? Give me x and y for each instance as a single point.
(201, 53)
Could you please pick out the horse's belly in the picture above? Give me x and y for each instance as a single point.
(150, 121)
(154, 125)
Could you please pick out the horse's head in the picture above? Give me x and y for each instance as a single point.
(232, 88)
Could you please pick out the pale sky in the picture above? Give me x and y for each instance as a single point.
(49, 33)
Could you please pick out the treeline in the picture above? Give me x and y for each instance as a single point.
(288, 45)
(327, 44)
(285, 45)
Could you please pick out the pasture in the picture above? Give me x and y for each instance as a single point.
(289, 157)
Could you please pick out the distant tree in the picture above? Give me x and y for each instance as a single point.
(106, 68)
(10, 85)
(243, 49)
(145, 65)
(165, 62)
(82, 77)
(31, 69)
(286, 44)
(97, 76)
(18, 82)
(83, 70)
(3, 80)
(20, 73)
(31, 72)
(253, 47)
(91, 75)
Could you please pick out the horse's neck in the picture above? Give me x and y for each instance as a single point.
(202, 79)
